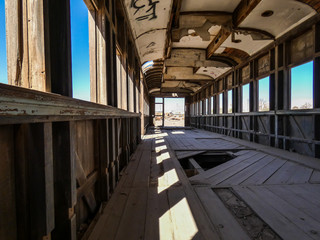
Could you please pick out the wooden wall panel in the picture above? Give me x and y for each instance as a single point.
(8, 224)
(263, 65)
(302, 48)
(27, 43)
(246, 74)
(84, 146)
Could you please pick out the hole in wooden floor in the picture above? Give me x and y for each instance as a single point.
(204, 161)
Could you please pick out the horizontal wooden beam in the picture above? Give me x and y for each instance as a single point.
(20, 105)
(217, 41)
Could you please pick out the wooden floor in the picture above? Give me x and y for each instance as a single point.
(156, 200)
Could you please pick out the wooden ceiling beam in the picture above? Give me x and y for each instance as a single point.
(217, 41)
(177, 13)
(244, 8)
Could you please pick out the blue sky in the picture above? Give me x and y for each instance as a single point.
(302, 84)
(264, 89)
(3, 52)
(80, 49)
(245, 98)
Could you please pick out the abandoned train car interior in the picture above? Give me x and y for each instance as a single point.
(159, 119)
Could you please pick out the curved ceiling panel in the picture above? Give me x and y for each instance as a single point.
(149, 20)
(232, 54)
(151, 45)
(286, 15)
(209, 5)
(153, 71)
(213, 72)
(245, 43)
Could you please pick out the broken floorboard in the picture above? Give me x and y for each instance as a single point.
(156, 200)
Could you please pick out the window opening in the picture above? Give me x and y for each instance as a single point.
(230, 101)
(302, 86)
(80, 50)
(3, 49)
(212, 104)
(174, 112)
(158, 120)
(221, 103)
(264, 93)
(246, 98)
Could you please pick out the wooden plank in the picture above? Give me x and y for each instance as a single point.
(217, 179)
(112, 214)
(38, 70)
(297, 200)
(298, 218)
(184, 224)
(92, 51)
(41, 181)
(187, 154)
(214, 171)
(81, 180)
(65, 180)
(142, 176)
(87, 186)
(217, 42)
(247, 172)
(101, 51)
(13, 41)
(109, 220)
(262, 175)
(135, 209)
(158, 218)
(302, 175)
(287, 173)
(220, 216)
(315, 177)
(18, 102)
(309, 192)
(243, 10)
(196, 165)
(8, 222)
(279, 223)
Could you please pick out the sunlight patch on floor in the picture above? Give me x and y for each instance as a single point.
(167, 180)
(184, 225)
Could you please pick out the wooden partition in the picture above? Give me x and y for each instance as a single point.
(60, 160)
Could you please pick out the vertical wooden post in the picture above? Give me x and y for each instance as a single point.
(316, 104)
(60, 38)
(35, 186)
(152, 110)
(28, 48)
(98, 57)
(64, 180)
(8, 223)
(102, 136)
